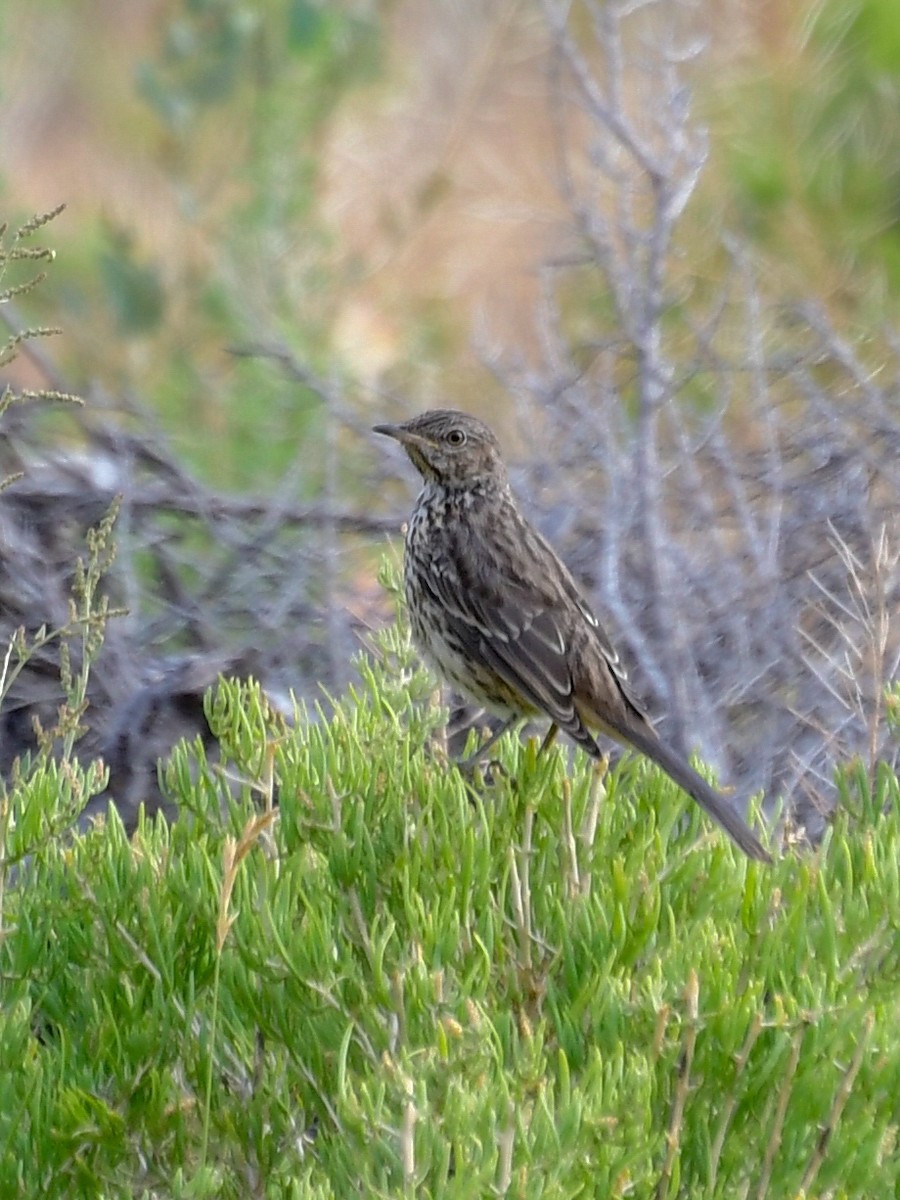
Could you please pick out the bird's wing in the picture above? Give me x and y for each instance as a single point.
(520, 629)
(536, 636)
(522, 642)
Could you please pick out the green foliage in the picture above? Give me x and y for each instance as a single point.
(133, 288)
(88, 607)
(549, 984)
(212, 50)
(223, 106)
(821, 141)
(46, 792)
(21, 263)
(249, 89)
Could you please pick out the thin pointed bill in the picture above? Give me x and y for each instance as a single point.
(403, 435)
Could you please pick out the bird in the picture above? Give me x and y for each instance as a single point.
(495, 611)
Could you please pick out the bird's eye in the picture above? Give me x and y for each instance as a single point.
(456, 437)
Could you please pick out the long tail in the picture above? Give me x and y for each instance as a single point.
(698, 789)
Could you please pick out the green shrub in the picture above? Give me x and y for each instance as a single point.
(344, 971)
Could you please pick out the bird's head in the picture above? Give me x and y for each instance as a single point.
(451, 449)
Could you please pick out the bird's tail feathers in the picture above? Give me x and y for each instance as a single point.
(711, 801)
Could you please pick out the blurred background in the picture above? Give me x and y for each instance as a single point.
(657, 245)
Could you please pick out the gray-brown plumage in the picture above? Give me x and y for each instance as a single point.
(500, 617)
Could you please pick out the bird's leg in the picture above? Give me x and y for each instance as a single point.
(549, 738)
(466, 764)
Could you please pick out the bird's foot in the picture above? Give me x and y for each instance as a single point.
(489, 770)
(600, 766)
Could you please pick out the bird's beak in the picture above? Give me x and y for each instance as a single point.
(394, 431)
(401, 434)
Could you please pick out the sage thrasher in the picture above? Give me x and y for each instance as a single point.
(500, 617)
